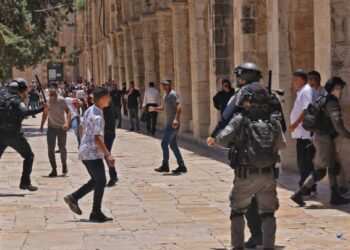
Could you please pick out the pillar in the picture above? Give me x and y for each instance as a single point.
(121, 57)
(129, 72)
(137, 53)
(199, 44)
(182, 73)
(150, 48)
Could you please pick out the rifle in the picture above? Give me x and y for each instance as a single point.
(279, 92)
(40, 89)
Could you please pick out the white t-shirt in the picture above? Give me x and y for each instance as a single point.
(72, 108)
(304, 98)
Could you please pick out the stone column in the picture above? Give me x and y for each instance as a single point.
(121, 57)
(340, 66)
(115, 72)
(137, 53)
(150, 48)
(290, 27)
(165, 41)
(129, 72)
(221, 49)
(199, 42)
(182, 73)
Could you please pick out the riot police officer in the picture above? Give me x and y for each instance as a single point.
(248, 74)
(13, 112)
(256, 138)
(330, 127)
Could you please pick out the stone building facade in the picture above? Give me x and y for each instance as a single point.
(197, 43)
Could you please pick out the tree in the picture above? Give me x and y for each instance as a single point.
(28, 31)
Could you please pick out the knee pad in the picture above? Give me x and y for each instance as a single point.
(267, 215)
(235, 214)
(319, 174)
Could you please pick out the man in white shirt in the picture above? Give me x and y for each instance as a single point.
(305, 147)
(151, 99)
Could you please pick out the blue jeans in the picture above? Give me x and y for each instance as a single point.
(74, 124)
(33, 104)
(169, 138)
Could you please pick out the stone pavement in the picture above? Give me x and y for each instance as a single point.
(150, 210)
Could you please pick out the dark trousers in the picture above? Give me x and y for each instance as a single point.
(305, 154)
(20, 144)
(97, 183)
(61, 135)
(151, 119)
(109, 139)
(134, 114)
(253, 219)
(118, 115)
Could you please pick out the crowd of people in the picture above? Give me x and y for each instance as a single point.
(251, 125)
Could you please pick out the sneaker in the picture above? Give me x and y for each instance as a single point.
(179, 170)
(339, 200)
(73, 204)
(99, 217)
(53, 173)
(253, 242)
(298, 199)
(162, 169)
(29, 187)
(112, 182)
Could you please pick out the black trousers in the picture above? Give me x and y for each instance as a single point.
(118, 115)
(151, 119)
(20, 144)
(305, 154)
(253, 219)
(109, 137)
(96, 170)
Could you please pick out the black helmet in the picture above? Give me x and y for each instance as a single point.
(256, 94)
(248, 71)
(332, 82)
(18, 84)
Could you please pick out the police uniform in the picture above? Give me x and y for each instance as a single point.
(326, 154)
(11, 135)
(252, 182)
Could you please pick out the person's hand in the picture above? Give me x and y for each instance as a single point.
(176, 124)
(110, 161)
(41, 129)
(210, 141)
(151, 109)
(65, 127)
(293, 127)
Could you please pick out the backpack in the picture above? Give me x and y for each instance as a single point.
(314, 115)
(259, 142)
(8, 112)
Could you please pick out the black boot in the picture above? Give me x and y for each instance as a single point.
(180, 169)
(73, 204)
(337, 199)
(99, 217)
(163, 168)
(253, 242)
(64, 169)
(29, 187)
(298, 197)
(53, 173)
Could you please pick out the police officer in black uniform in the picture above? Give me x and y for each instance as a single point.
(248, 76)
(11, 124)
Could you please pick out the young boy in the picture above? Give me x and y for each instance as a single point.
(92, 151)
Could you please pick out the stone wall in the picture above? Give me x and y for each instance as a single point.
(197, 43)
